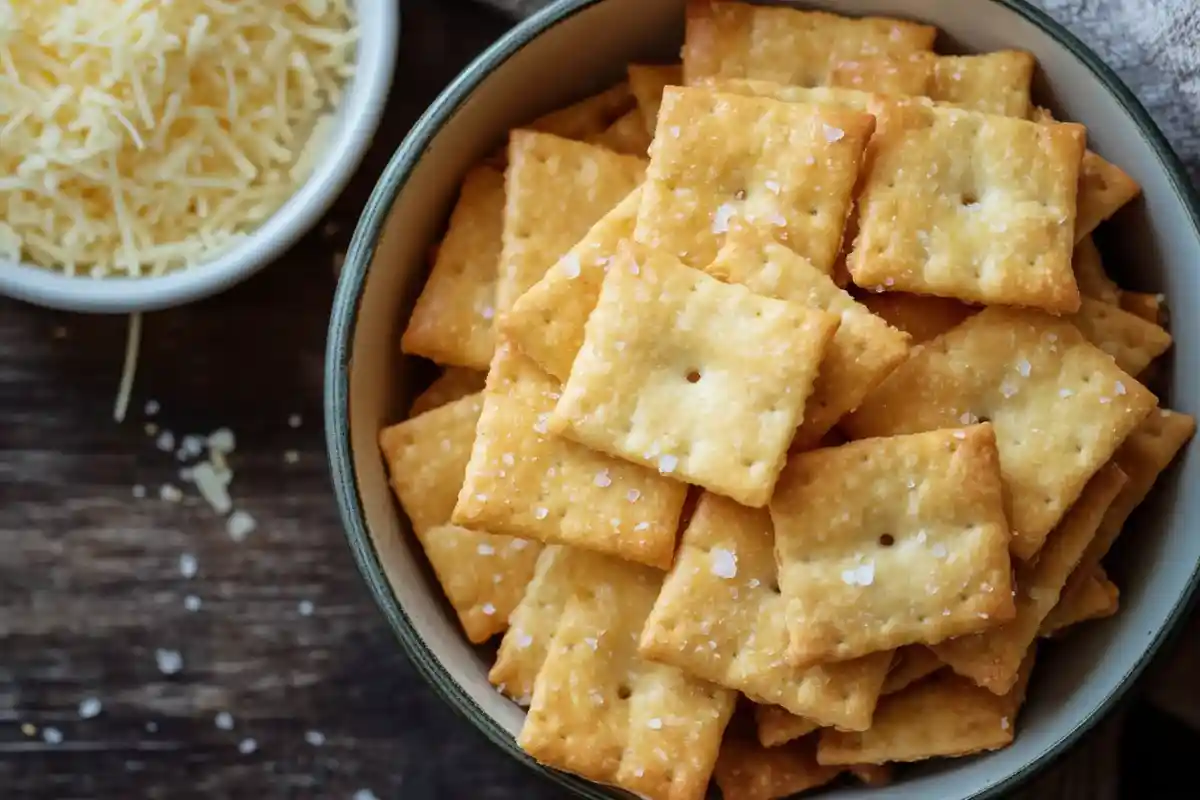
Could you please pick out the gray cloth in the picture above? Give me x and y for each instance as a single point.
(1154, 45)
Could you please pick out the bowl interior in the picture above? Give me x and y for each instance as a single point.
(355, 120)
(1152, 245)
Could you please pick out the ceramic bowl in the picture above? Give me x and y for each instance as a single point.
(578, 46)
(355, 122)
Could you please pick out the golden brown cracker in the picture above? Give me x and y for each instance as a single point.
(910, 664)
(748, 771)
(483, 575)
(1130, 340)
(626, 135)
(993, 658)
(1060, 407)
(863, 350)
(1142, 456)
(922, 317)
(892, 541)
(555, 190)
(1096, 597)
(788, 166)
(967, 205)
(665, 348)
(647, 82)
(776, 725)
(454, 383)
(452, 320)
(1090, 275)
(786, 45)
(720, 617)
(589, 116)
(945, 715)
(522, 480)
(599, 710)
(547, 321)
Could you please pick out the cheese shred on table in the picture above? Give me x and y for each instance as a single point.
(138, 136)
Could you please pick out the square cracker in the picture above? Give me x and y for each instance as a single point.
(522, 480)
(647, 82)
(910, 664)
(786, 45)
(945, 715)
(748, 771)
(720, 617)
(555, 190)
(666, 348)
(1130, 340)
(452, 320)
(993, 658)
(1103, 187)
(921, 316)
(1142, 456)
(892, 541)
(1090, 275)
(1060, 407)
(454, 383)
(1097, 597)
(601, 711)
(589, 116)
(790, 166)
(627, 135)
(991, 83)
(483, 576)
(547, 321)
(961, 204)
(863, 350)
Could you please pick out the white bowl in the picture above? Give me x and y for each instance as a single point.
(356, 121)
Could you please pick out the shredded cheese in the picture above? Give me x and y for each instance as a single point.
(141, 136)
(133, 345)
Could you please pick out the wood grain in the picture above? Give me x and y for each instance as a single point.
(90, 582)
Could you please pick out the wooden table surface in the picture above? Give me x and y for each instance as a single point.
(286, 639)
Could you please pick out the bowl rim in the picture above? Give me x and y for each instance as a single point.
(362, 108)
(344, 318)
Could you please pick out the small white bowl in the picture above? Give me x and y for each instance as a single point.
(357, 119)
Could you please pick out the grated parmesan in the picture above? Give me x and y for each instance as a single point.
(140, 137)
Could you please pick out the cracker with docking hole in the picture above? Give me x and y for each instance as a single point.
(1145, 305)
(555, 190)
(668, 351)
(788, 166)
(647, 82)
(944, 715)
(910, 664)
(991, 83)
(1130, 340)
(892, 541)
(483, 575)
(993, 658)
(454, 383)
(1090, 275)
(1060, 407)
(1104, 188)
(601, 711)
(1143, 456)
(452, 320)
(863, 350)
(523, 480)
(967, 205)
(720, 617)
(588, 117)
(546, 322)
(748, 771)
(921, 316)
(785, 45)
(1096, 597)
(627, 135)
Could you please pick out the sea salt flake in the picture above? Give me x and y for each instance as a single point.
(1065, 392)
(1023, 367)
(247, 746)
(315, 738)
(508, 459)
(165, 441)
(169, 661)
(721, 217)
(305, 608)
(772, 186)
(602, 479)
(654, 723)
(1008, 389)
(667, 463)
(488, 608)
(89, 707)
(832, 134)
(591, 642)
(524, 640)
(968, 418)
(642, 526)
(1119, 388)
(224, 721)
(1004, 723)
(52, 735)
(632, 495)
(724, 563)
(240, 525)
(541, 512)
(938, 550)
(569, 265)
(187, 565)
(487, 312)
(170, 493)
(485, 549)
(192, 603)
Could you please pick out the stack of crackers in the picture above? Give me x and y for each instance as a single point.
(828, 404)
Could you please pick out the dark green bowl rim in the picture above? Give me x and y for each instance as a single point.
(345, 316)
